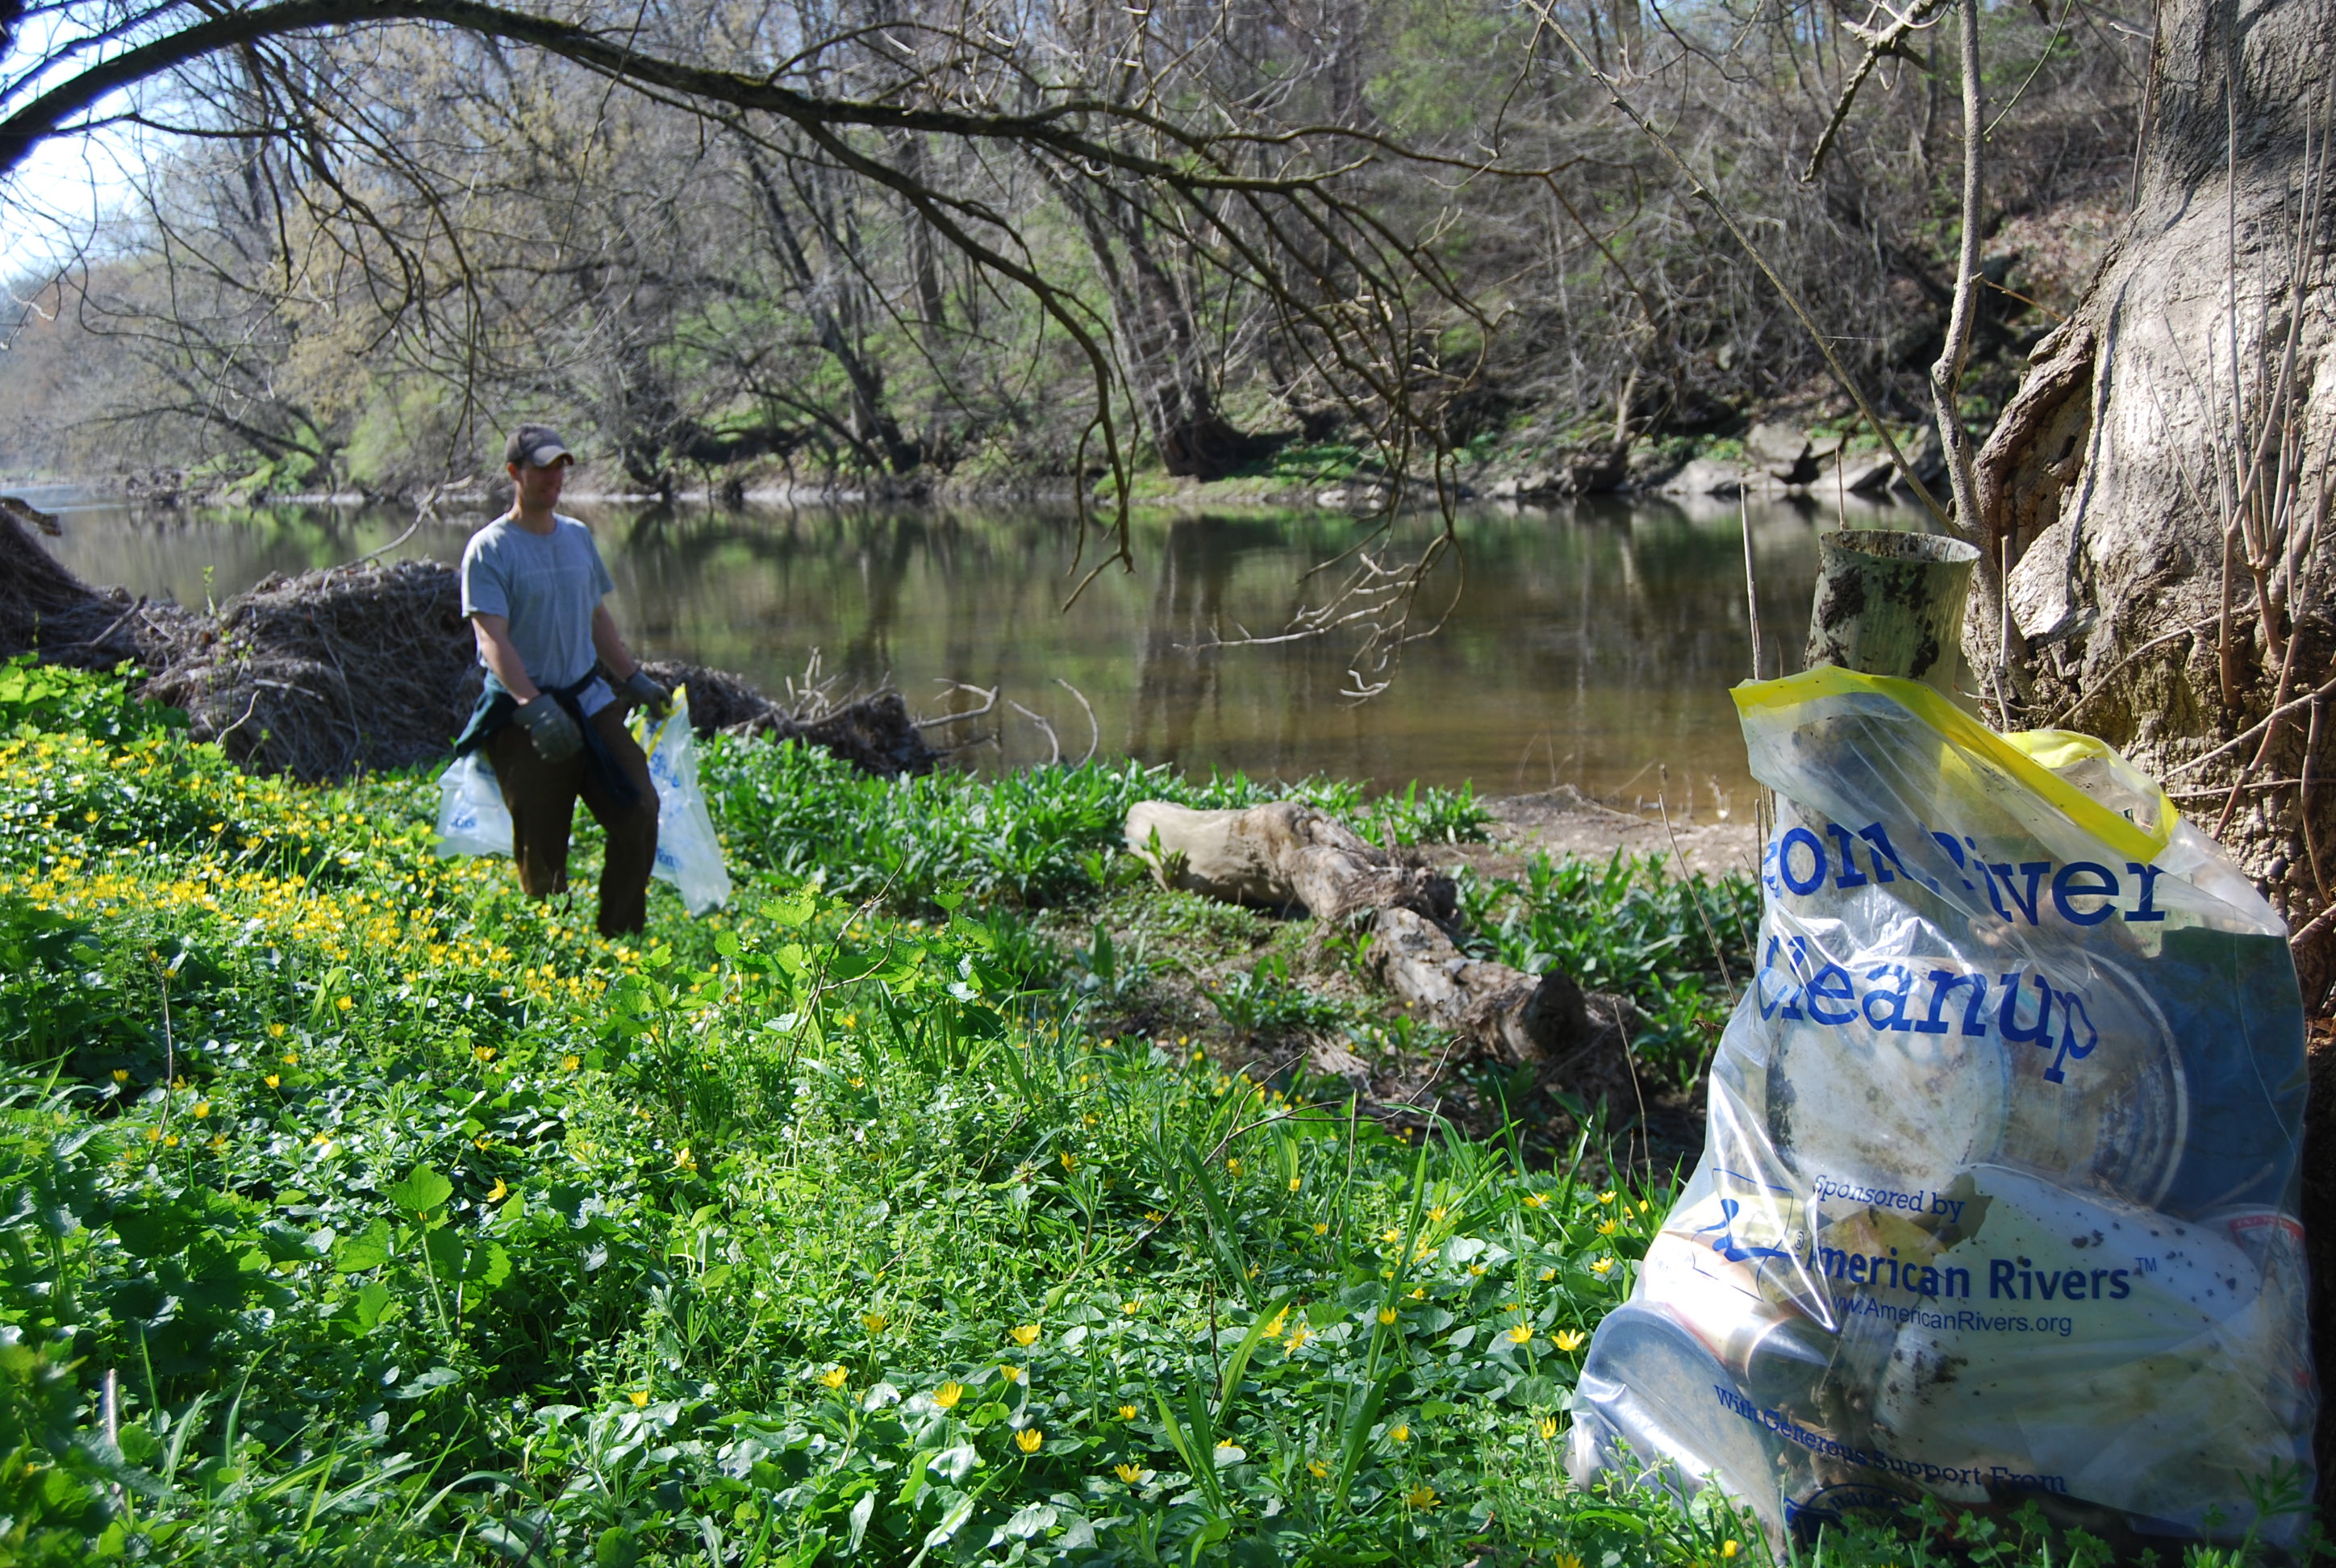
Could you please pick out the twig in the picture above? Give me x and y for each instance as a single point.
(1046, 729)
(1751, 584)
(1890, 40)
(1695, 896)
(1094, 730)
(989, 701)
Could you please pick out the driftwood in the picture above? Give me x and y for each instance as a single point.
(1289, 856)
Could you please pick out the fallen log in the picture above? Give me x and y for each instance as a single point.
(1290, 856)
(1284, 855)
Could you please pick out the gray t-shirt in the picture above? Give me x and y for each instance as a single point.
(547, 586)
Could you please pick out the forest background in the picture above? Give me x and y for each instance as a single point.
(384, 246)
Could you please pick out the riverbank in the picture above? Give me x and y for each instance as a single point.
(386, 1186)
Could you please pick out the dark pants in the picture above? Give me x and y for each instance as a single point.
(541, 796)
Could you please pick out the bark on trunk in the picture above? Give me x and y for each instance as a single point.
(2159, 488)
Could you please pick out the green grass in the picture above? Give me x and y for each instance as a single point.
(408, 1222)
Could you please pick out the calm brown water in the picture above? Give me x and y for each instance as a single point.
(1592, 646)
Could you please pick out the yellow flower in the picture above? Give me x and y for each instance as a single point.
(1322, 1229)
(1154, 1216)
(1602, 1267)
(833, 1378)
(271, 1080)
(497, 1194)
(685, 1161)
(1233, 1166)
(948, 1395)
(1131, 1308)
(1400, 1432)
(1386, 1315)
(1318, 1470)
(1606, 1197)
(202, 1109)
(1476, 1270)
(1027, 1335)
(169, 1140)
(570, 1063)
(120, 1074)
(1568, 1339)
(1127, 1473)
(875, 1322)
(1421, 1496)
(1390, 1236)
(344, 1003)
(321, 1139)
(1608, 1227)
(1298, 1338)
(1273, 1330)
(276, 1031)
(1642, 1205)
(1419, 1292)
(291, 1058)
(1547, 1275)
(1728, 1548)
(483, 1053)
(640, 1398)
(1536, 1200)
(1070, 1161)
(1028, 1439)
(219, 1141)
(1566, 1560)
(1521, 1334)
(1295, 1183)
(1011, 1374)
(1547, 1427)
(1128, 1412)
(1439, 1213)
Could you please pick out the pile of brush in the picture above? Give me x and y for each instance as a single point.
(355, 668)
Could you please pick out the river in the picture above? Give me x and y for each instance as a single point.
(1590, 645)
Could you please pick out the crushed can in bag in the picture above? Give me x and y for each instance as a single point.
(1998, 1191)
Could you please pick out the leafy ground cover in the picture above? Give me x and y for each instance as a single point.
(362, 1212)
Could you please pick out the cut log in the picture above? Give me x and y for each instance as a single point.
(1287, 856)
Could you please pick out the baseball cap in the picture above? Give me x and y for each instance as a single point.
(537, 446)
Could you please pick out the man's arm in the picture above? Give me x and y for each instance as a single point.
(495, 650)
(610, 644)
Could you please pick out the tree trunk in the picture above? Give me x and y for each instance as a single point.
(2158, 485)
(1160, 349)
(2157, 510)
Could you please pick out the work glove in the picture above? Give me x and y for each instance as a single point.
(547, 723)
(646, 692)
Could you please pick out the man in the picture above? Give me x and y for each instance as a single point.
(532, 587)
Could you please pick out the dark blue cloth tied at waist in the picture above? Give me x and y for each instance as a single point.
(495, 709)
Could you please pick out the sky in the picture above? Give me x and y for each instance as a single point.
(50, 204)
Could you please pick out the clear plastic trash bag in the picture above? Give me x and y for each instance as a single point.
(472, 817)
(1997, 1199)
(688, 854)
